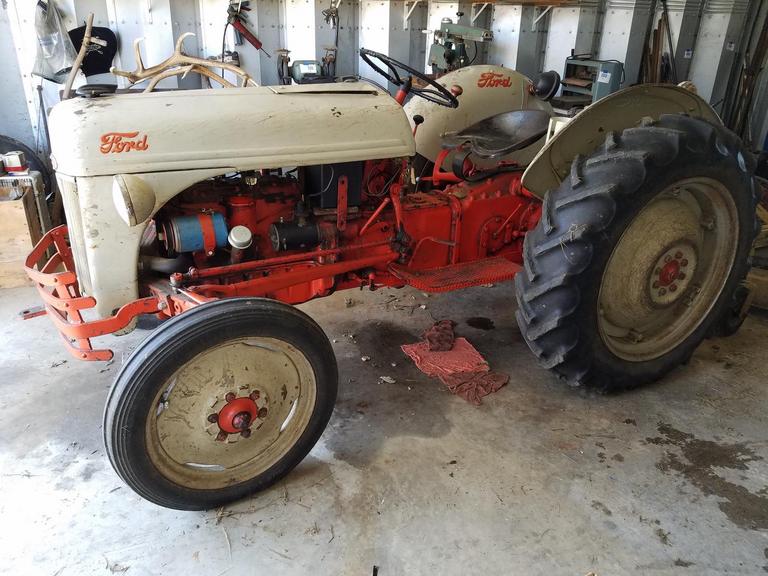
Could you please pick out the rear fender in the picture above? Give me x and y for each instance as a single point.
(614, 113)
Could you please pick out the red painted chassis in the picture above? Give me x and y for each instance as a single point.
(468, 234)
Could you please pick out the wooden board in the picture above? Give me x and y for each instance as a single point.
(15, 242)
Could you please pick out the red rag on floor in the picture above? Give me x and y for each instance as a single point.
(463, 370)
(462, 358)
(440, 336)
(474, 385)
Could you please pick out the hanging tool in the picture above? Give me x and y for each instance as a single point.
(237, 19)
(331, 16)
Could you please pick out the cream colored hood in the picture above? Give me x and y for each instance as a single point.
(240, 128)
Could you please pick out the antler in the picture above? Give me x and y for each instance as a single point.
(179, 63)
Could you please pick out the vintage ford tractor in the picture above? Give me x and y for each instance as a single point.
(627, 234)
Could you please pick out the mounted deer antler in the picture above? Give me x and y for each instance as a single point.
(180, 63)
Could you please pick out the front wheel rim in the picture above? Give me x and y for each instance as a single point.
(668, 269)
(196, 439)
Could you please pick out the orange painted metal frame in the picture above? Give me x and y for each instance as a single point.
(64, 303)
(58, 287)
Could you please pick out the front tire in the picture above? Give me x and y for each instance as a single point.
(639, 253)
(220, 402)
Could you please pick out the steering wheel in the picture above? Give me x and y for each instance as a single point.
(438, 93)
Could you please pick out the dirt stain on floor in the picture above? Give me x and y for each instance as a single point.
(382, 340)
(597, 505)
(697, 462)
(480, 323)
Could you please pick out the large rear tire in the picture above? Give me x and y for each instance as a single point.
(220, 402)
(639, 254)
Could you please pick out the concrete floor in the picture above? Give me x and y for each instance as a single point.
(541, 479)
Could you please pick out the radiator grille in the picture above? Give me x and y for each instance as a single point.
(68, 188)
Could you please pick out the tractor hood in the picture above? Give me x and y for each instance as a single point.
(241, 128)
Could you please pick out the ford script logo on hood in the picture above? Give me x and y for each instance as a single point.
(114, 142)
(493, 80)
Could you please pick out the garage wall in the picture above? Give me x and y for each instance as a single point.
(530, 39)
(15, 113)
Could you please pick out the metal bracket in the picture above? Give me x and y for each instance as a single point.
(539, 17)
(33, 312)
(476, 15)
(408, 12)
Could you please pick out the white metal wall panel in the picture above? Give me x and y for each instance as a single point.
(720, 32)
(570, 29)
(419, 39)
(99, 9)
(15, 120)
(623, 35)
(709, 45)
(346, 58)
(184, 18)
(374, 32)
(379, 24)
(684, 24)
(506, 25)
(143, 20)
(533, 38)
(300, 29)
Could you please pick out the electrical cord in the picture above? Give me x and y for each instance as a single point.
(330, 182)
(224, 45)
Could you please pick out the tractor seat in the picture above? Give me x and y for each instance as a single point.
(501, 134)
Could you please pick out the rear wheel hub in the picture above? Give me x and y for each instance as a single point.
(668, 269)
(672, 274)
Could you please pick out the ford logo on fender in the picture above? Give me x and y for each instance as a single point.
(115, 142)
(493, 80)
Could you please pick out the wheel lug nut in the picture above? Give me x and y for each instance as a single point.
(213, 418)
(255, 395)
(221, 436)
(230, 396)
(245, 433)
(263, 412)
(678, 255)
(681, 276)
(673, 287)
(683, 262)
(662, 291)
(667, 258)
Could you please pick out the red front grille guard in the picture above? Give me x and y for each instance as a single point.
(64, 303)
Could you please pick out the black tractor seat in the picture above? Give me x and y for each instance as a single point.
(501, 134)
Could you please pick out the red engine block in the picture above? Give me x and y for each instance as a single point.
(465, 222)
